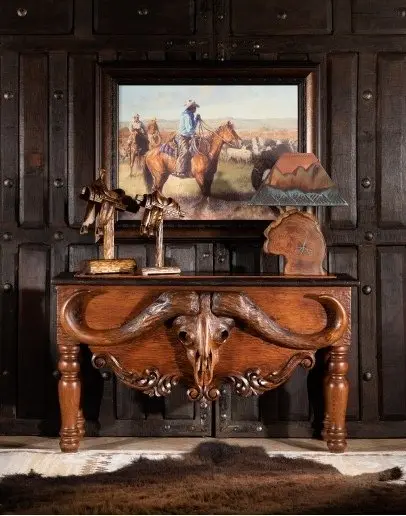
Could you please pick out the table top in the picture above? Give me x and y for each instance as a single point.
(209, 279)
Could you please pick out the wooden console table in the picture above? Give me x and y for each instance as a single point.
(252, 331)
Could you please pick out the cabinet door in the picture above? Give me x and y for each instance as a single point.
(375, 16)
(151, 17)
(36, 17)
(281, 17)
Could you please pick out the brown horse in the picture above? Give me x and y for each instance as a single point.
(154, 135)
(137, 146)
(158, 166)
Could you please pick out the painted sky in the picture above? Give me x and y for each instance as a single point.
(250, 102)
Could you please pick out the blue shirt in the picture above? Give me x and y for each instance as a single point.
(187, 123)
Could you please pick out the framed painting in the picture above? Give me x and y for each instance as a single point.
(205, 135)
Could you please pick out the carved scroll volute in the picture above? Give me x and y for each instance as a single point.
(202, 337)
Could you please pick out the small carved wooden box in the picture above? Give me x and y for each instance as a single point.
(251, 331)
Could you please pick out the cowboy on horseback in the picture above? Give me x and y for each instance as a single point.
(187, 129)
(138, 126)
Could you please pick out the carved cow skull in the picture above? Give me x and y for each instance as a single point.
(202, 335)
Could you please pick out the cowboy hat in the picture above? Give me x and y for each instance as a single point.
(191, 103)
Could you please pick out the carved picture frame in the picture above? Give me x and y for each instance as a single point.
(111, 76)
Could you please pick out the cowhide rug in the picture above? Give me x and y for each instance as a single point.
(215, 478)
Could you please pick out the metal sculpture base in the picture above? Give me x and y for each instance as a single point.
(111, 266)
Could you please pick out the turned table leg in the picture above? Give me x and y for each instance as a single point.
(336, 397)
(81, 424)
(69, 390)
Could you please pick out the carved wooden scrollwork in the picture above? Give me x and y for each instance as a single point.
(150, 381)
(203, 322)
(253, 383)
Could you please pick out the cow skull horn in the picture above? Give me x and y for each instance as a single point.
(167, 306)
(241, 307)
(202, 335)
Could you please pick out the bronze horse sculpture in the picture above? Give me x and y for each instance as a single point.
(158, 165)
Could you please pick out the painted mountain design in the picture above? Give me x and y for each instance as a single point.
(298, 179)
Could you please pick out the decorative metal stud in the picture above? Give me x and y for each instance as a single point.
(367, 376)
(369, 236)
(205, 55)
(223, 416)
(167, 426)
(106, 375)
(401, 12)
(221, 53)
(22, 12)
(7, 287)
(366, 182)
(367, 95)
(203, 404)
(5, 373)
(259, 428)
(8, 183)
(366, 289)
(220, 17)
(8, 95)
(282, 15)
(143, 12)
(58, 235)
(58, 94)
(7, 236)
(58, 183)
(192, 42)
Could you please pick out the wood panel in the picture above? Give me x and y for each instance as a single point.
(33, 329)
(9, 135)
(277, 17)
(78, 253)
(58, 145)
(391, 144)
(342, 84)
(392, 331)
(36, 17)
(120, 17)
(33, 140)
(81, 132)
(376, 17)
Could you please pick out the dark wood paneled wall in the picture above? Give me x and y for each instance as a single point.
(48, 149)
